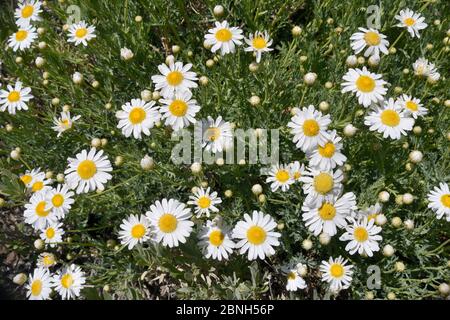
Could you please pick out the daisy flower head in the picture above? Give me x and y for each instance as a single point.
(174, 78)
(296, 170)
(368, 87)
(294, 280)
(179, 111)
(328, 215)
(309, 128)
(88, 171)
(60, 200)
(27, 12)
(137, 117)
(329, 155)
(412, 106)
(216, 134)
(215, 240)
(46, 260)
(258, 42)
(52, 234)
(64, 122)
(390, 120)
(423, 68)
(30, 176)
(15, 98)
(204, 201)
(372, 39)
(412, 21)
(224, 38)
(39, 183)
(69, 281)
(171, 221)
(280, 176)
(337, 273)
(134, 230)
(81, 32)
(318, 185)
(439, 201)
(39, 286)
(38, 211)
(362, 236)
(370, 213)
(22, 38)
(256, 235)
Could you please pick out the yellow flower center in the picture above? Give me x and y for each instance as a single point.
(138, 231)
(14, 96)
(297, 175)
(86, 169)
(365, 84)
(282, 176)
(137, 115)
(48, 260)
(361, 234)
(256, 235)
(372, 38)
(259, 43)
(291, 276)
(327, 151)
(411, 105)
(390, 118)
(178, 108)
(213, 133)
(224, 35)
(81, 33)
(327, 211)
(204, 202)
(27, 11)
(174, 78)
(336, 270)
(372, 216)
(168, 223)
(409, 21)
(36, 287)
(26, 178)
(445, 199)
(216, 238)
(58, 200)
(65, 123)
(37, 186)
(310, 127)
(40, 209)
(50, 233)
(67, 280)
(323, 183)
(21, 35)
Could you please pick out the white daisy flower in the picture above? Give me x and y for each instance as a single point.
(134, 230)
(371, 39)
(69, 281)
(30, 176)
(137, 117)
(216, 134)
(439, 201)
(171, 222)
(38, 211)
(52, 234)
(46, 260)
(337, 273)
(39, 182)
(309, 128)
(88, 171)
(256, 235)
(368, 87)
(258, 42)
(23, 38)
(60, 200)
(81, 32)
(64, 122)
(329, 214)
(294, 280)
(27, 12)
(329, 155)
(179, 111)
(15, 98)
(412, 21)
(204, 201)
(224, 37)
(215, 240)
(280, 176)
(174, 78)
(412, 106)
(370, 213)
(39, 286)
(434, 76)
(390, 120)
(363, 237)
(296, 170)
(319, 185)
(423, 68)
